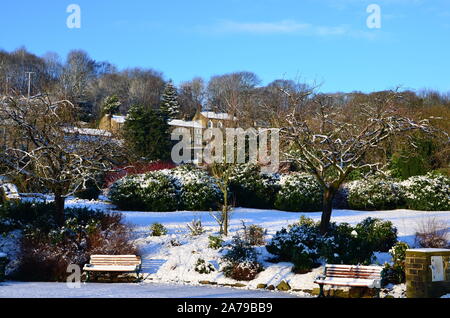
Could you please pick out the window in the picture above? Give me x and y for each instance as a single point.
(210, 124)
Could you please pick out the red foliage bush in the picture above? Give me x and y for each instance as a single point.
(136, 168)
(45, 258)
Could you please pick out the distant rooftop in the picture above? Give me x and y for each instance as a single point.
(184, 123)
(119, 118)
(222, 116)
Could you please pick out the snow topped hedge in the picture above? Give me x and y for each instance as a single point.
(430, 192)
(299, 192)
(185, 188)
(251, 188)
(196, 189)
(374, 194)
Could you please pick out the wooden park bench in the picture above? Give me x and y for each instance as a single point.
(350, 276)
(113, 264)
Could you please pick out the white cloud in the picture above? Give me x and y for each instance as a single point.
(285, 27)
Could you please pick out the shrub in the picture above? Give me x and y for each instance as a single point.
(298, 244)
(92, 188)
(395, 273)
(126, 193)
(197, 190)
(303, 245)
(374, 194)
(196, 227)
(252, 189)
(254, 234)
(240, 262)
(345, 246)
(159, 192)
(215, 242)
(381, 235)
(17, 215)
(91, 192)
(202, 267)
(185, 187)
(46, 251)
(157, 229)
(429, 193)
(299, 192)
(154, 191)
(432, 233)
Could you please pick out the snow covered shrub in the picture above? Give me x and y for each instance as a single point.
(432, 233)
(241, 261)
(298, 244)
(254, 234)
(374, 194)
(203, 267)
(158, 192)
(46, 253)
(157, 229)
(126, 193)
(344, 245)
(381, 235)
(299, 192)
(252, 189)
(303, 245)
(429, 193)
(395, 273)
(348, 244)
(153, 191)
(197, 190)
(196, 227)
(215, 242)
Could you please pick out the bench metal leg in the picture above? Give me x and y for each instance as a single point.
(377, 295)
(321, 293)
(87, 276)
(137, 277)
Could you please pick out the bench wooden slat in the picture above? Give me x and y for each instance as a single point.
(351, 276)
(114, 263)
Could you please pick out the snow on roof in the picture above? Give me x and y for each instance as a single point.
(118, 118)
(184, 123)
(213, 115)
(87, 131)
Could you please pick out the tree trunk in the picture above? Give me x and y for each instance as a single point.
(327, 209)
(225, 213)
(59, 207)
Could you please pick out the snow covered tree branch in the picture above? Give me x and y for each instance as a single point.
(41, 143)
(330, 141)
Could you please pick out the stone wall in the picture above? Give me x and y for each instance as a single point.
(419, 281)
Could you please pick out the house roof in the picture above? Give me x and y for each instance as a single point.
(87, 131)
(184, 123)
(222, 116)
(119, 119)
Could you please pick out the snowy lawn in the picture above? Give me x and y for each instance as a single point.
(93, 290)
(166, 262)
(170, 259)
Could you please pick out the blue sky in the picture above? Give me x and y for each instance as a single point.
(326, 41)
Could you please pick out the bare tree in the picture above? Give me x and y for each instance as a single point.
(330, 141)
(222, 172)
(42, 144)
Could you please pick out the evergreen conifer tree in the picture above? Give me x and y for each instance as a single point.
(147, 134)
(170, 106)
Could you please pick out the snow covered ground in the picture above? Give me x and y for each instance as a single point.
(171, 259)
(94, 290)
(166, 263)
